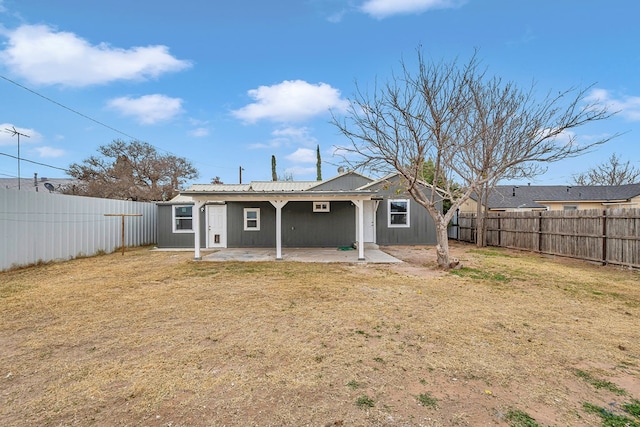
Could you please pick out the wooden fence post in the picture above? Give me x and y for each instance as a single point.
(122, 226)
(540, 233)
(604, 237)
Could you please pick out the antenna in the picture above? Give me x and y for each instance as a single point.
(14, 132)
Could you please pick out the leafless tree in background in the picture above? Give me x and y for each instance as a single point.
(611, 172)
(476, 130)
(130, 171)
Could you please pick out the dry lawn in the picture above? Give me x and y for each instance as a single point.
(155, 339)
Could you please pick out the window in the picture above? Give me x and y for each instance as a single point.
(251, 219)
(570, 207)
(321, 206)
(183, 219)
(398, 213)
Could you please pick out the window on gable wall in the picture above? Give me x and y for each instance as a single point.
(398, 213)
(183, 219)
(321, 207)
(251, 219)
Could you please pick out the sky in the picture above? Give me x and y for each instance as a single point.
(228, 84)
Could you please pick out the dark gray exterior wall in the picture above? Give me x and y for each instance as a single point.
(345, 182)
(168, 239)
(421, 230)
(301, 227)
(263, 238)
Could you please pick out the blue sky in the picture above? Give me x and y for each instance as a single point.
(228, 84)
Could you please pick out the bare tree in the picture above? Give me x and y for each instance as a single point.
(475, 129)
(133, 171)
(611, 172)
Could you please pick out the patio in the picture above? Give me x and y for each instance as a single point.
(326, 255)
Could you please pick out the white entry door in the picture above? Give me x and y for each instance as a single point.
(370, 221)
(216, 226)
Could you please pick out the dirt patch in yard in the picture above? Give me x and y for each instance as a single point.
(154, 338)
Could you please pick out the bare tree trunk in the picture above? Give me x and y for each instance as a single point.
(479, 218)
(442, 245)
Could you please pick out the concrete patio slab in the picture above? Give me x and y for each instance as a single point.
(326, 255)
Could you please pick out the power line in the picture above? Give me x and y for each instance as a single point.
(68, 108)
(92, 119)
(35, 163)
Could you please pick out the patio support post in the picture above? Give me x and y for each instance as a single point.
(278, 204)
(359, 204)
(195, 216)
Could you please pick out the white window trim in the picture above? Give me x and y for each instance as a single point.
(174, 219)
(321, 207)
(389, 213)
(257, 219)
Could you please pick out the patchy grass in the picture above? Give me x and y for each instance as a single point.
(518, 418)
(610, 419)
(153, 338)
(365, 401)
(600, 384)
(426, 400)
(478, 274)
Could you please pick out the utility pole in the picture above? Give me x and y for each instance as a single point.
(14, 132)
(240, 171)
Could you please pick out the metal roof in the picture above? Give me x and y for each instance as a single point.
(253, 186)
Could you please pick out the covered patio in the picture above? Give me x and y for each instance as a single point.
(320, 255)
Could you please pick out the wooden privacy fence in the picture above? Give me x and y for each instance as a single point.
(610, 236)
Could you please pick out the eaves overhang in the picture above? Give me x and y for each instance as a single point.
(266, 196)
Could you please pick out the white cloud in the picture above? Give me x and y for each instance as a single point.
(148, 109)
(383, 8)
(303, 155)
(299, 135)
(199, 132)
(291, 100)
(300, 171)
(50, 152)
(628, 106)
(28, 136)
(45, 56)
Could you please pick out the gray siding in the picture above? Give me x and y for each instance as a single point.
(345, 182)
(238, 238)
(422, 229)
(301, 227)
(168, 239)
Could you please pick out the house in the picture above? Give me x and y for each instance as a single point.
(36, 184)
(559, 197)
(347, 210)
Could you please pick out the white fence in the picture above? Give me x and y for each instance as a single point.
(41, 227)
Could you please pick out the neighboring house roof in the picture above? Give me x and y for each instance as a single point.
(28, 184)
(534, 196)
(178, 200)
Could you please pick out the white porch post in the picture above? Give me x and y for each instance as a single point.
(359, 204)
(195, 216)
(278, 204)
